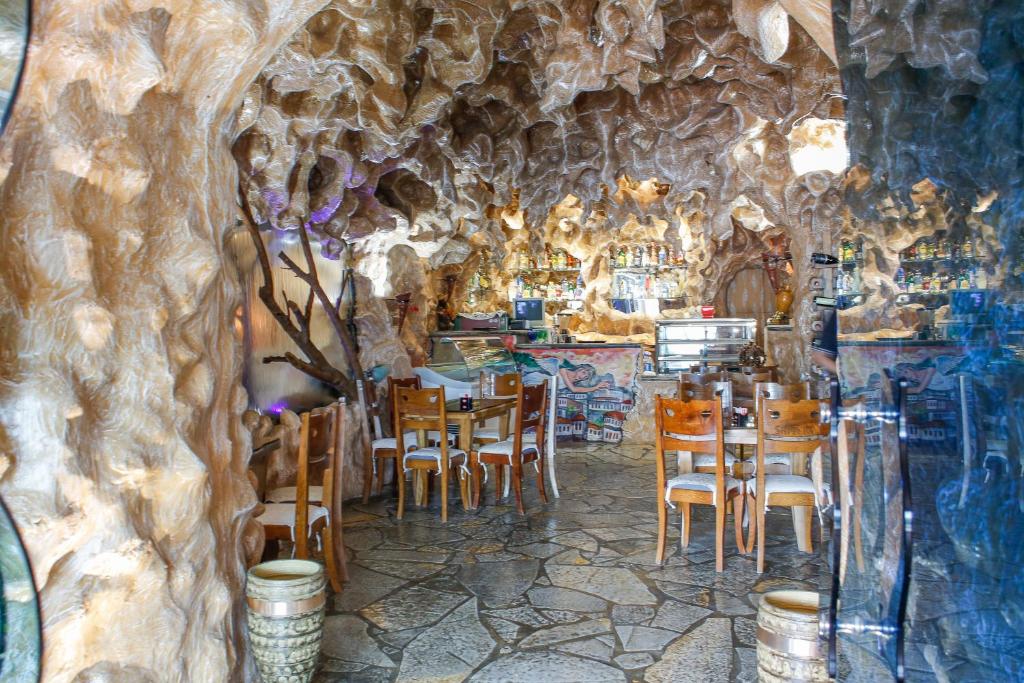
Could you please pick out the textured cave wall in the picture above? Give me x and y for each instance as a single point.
(123, 456)
(443, 133)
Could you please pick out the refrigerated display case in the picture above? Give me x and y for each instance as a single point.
(462, 359)
(680, 344)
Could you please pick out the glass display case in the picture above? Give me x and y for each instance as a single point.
(682, 343)
(462, 359)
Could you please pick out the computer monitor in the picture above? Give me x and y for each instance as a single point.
(531, 310)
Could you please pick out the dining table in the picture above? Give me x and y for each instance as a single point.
(464, 421)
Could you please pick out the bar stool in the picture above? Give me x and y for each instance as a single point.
(423, 410)
(517, 451)
(385, 448)
(786, 427)
(695, 426)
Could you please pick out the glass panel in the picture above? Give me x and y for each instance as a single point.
(20, 640)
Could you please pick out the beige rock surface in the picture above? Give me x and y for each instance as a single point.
(120, 400)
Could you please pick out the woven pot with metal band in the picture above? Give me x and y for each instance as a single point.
(787, 639)
(285, 601)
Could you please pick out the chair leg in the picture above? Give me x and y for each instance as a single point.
(499, 481)
(327, 540)
(662, 531)
(380, 476)
(760, 503)
(720, 536)
(540, 481)
(464, 489)
(517, 486)
(737, 514)
(685, 512)
(400, 481)
(750, 503)
(367, 477)
(477, 469)
(444, 494)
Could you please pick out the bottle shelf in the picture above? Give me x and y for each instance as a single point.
(528, 271)
(944, 259)
(648, 269)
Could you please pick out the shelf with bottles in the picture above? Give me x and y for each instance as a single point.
(551, 261)
(941, 249)
(662, 288)
(566, 289)
(644, 257)
(851, 254)
(911, 281)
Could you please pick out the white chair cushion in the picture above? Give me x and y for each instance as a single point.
(455, 455)
(505, 448)
(286, 494)
(791, 483)
(392, 443)
(778, 459)
(698, 481)
(488, 434)
(708, 460)
(283, 514)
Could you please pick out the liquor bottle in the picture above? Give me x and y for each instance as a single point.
(579, 287)
(840, 282)
(662, 255)
(546, 263)
(936, 283)
(647, 287)
(912, 251)
(972, 278)
(968, 249)
(519, 287)
(964, 281)
(901, 279)
(954, 250)
(613, 260)
(652, 256)
(672, 255)
(528, 290)
(621, 260)
(981, 279)
(942, 248)
(638, 257)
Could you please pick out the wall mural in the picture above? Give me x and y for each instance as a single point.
(596, 388)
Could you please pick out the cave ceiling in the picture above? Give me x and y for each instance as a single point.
(419, 118)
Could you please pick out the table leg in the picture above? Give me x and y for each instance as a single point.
(802, 527)
(466, 445)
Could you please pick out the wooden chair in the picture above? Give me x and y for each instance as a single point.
(695, 426)
(320, 444)
(785, 427)
(505, 386)
(384, 448)
(518, 450)
(773, 391)
(705, 462)
(423, 410)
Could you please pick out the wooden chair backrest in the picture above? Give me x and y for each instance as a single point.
(531, 412)
(420, 409)
(319, 435)
(694, 426)
(743, 384)
(505, 385)
(785, 426)
(393, 383)
(691, 377)
(707, 392)
(775, 391)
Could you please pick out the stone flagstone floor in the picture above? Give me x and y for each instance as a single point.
(568, 592)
